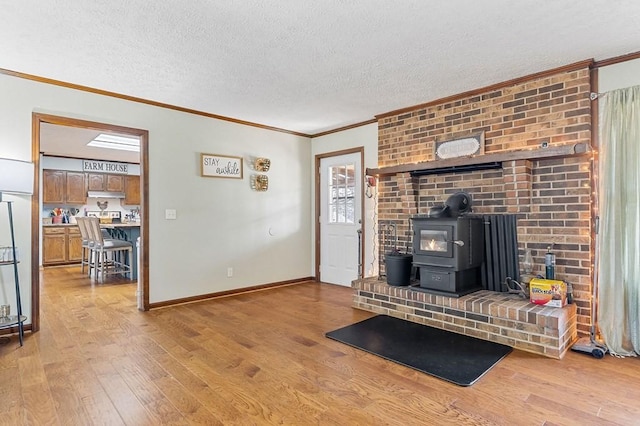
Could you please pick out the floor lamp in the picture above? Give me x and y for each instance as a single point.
(16, 177)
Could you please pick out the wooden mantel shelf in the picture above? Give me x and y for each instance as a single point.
(498, 157)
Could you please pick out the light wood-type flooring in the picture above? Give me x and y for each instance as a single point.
(262, 358)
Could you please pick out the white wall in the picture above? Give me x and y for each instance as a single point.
(363, 136)
(221, 223)
(618, 76)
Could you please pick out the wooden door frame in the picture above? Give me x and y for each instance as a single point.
(318, 159)
(143, 269)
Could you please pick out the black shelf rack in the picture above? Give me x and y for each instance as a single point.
(18, 319)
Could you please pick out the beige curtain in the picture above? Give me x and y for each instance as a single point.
(618, 264)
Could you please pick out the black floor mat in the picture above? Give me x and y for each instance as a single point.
(450, 356)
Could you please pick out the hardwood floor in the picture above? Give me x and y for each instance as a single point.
(262, 358)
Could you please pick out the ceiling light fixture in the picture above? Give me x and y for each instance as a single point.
(122, 143)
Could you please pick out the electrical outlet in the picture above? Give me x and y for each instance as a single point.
(170, 214)
(229, 272)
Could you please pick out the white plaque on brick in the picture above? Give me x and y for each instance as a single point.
(460, 147)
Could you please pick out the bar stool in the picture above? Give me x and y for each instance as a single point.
(109, 256)
(86, 245)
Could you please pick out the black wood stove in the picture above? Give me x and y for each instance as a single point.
(448, 249)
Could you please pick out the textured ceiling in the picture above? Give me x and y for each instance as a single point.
(306, 66)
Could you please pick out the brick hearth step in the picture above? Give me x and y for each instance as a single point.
(494, 316)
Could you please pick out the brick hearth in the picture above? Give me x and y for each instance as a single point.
(497, 317)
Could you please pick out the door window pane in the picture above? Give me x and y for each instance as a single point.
(350, 211)
(342, 190)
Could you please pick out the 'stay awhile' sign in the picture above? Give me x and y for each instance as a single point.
(213, 165)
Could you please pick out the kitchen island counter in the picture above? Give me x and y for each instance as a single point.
(120, 225)
(129, 231)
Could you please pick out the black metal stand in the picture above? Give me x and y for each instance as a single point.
(19, 318)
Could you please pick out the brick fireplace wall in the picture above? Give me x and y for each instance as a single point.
(552, 197)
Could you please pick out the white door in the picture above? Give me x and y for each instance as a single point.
(340, 218)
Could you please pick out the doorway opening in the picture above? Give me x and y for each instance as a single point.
(40, 121)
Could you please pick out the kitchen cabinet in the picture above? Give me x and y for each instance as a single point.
(105, 182)
(53, 186)
(115, 183)
(74, 245)
(63, 187)
(95, 182)
(76, 188)
(54, 245)
(132, 190)
(61, 244)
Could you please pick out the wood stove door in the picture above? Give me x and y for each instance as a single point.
(434, 240)
(340, 214)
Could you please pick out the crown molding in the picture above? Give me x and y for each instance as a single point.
(145, 101)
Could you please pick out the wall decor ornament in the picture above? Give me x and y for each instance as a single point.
(223, 166)
(260, 182)
(466, 146)
(262, 164)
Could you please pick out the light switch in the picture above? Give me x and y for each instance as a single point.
(170, 214)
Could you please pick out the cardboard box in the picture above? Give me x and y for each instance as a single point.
(548, 292)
